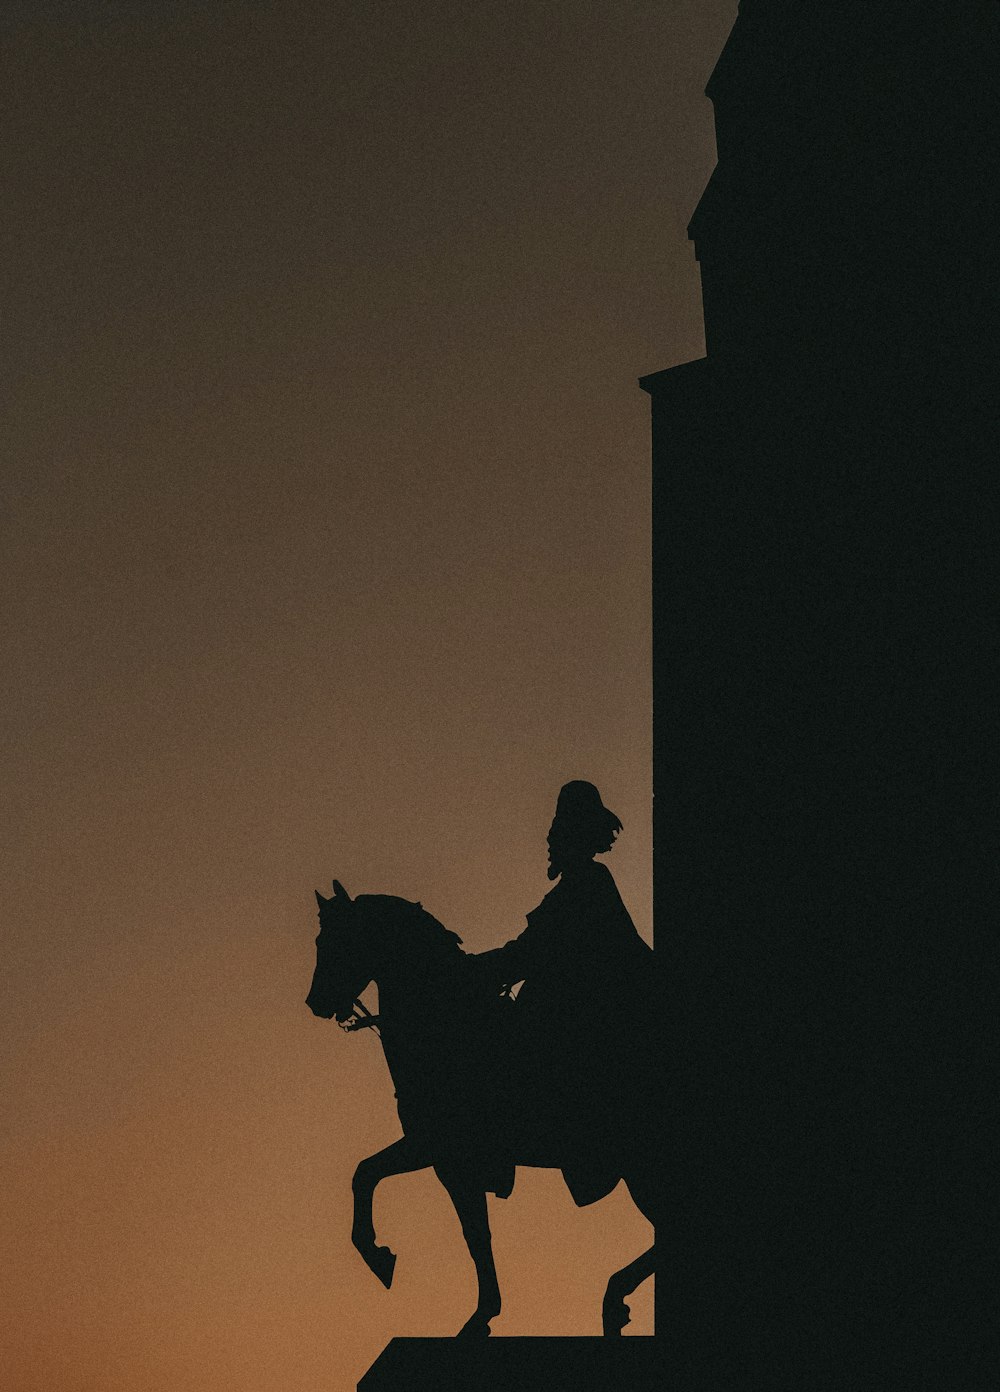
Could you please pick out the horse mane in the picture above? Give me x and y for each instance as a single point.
(411, 917)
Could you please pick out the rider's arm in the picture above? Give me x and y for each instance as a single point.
(504, 966)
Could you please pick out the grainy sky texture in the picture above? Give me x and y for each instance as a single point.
(325, 552)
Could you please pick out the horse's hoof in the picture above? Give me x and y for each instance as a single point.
(477, 1327)
(382, 1261)
(616, 1316)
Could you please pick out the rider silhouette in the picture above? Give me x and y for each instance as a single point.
(579, 951)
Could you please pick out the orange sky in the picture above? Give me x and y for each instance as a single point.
(325, 552)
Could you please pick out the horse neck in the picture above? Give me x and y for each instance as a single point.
(415, 990)
(413, 979)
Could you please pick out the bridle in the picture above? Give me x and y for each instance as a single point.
(366, 1020)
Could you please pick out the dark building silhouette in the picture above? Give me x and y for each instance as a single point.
(825, 634)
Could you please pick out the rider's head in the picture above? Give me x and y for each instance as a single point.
(582, 827)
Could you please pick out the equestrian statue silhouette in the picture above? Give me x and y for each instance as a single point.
(495, 1080)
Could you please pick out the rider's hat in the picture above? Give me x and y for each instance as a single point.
(581, 814)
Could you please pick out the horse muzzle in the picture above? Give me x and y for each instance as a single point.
(320, 1008)
(325, 1009)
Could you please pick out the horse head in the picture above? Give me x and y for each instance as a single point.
(346, 956)
(375, 937)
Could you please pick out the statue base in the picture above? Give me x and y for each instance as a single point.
(521, 1364)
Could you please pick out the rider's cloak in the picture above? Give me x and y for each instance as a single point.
(579, 1047)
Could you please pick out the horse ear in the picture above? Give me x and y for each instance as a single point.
(339, 892)
(320, 900)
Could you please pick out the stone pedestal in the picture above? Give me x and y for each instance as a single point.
(522, 1365)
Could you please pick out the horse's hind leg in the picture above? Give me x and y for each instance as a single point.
(623, 1283)
(470, 1205)
(399, 1158)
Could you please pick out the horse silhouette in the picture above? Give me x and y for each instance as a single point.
(448, 1043)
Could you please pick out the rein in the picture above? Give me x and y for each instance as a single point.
(366, 1020)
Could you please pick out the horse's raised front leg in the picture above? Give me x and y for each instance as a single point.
(623, 1283)
(470, 1205)
(402, 1157)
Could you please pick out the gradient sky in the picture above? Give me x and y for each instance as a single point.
(325, 552)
